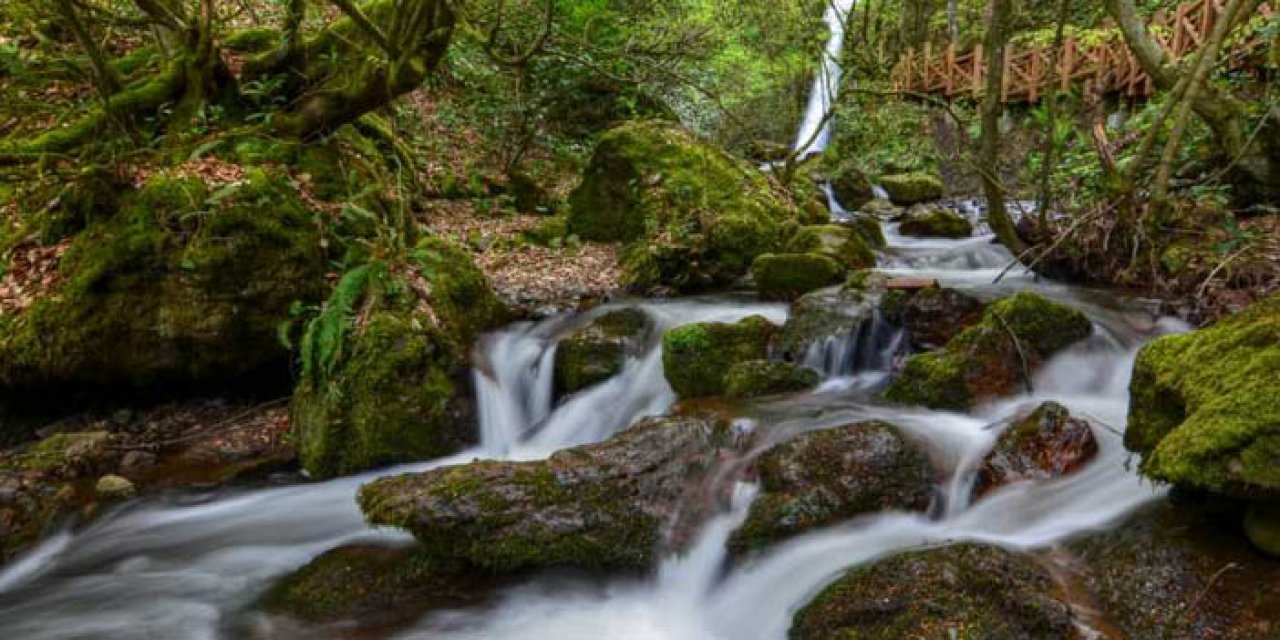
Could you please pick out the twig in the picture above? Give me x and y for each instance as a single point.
(1213, 274)
(1017, 344)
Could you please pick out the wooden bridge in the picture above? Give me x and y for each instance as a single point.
(1108, 64)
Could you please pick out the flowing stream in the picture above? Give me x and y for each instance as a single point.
(192, 564)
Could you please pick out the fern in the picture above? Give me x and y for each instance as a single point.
(324, 340)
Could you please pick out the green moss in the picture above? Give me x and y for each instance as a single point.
(851, 186)
(1213, 426)
(790, 275)
(871, 231)
(753, 378)
(181, 284)
(983, 360)
(968, 592)
(697, 357)
(695, 216)
(937, 222)
(252, 40)
(386, 391)
(373, 586)
(840, 243)
(598, 351)
(912, 188)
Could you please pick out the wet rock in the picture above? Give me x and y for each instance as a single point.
(598, 351)
(930, 221)
(389, 391)
(844, 244)
(137, 459)
(1180, 569)
(962, 591)
(1262, 525)
(851, 186)
(824, 477)
(881, 209)
(30, 504)
(374, 587)
(907, 189)
(931, 316)
(754, 378)
(830, 312)
(788, 276)
(113, 487)
(604, 505)
(869, 229)
(697, 357)
(1047, 443)
(987, 359)
(693, 216)
(1212, 426)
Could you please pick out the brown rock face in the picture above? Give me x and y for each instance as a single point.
(1047, 443)
(932, 316)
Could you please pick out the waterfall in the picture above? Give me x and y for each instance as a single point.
(815, 129)
(871, 346)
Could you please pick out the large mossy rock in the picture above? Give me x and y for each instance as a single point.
(787, 276)
(851, 186)
(931, 316)
(603, 505)
(1204, 408)
(1179, 569)
(844, 244)
(962, 591)
(596, 352)
(907, 189)
(183, 285)
(987, 359)
(754, 378)
(392, 389)
(1044, 444)
(694, 216)
(824, 477)
(371, 587)
(925, 221)
(696, 358)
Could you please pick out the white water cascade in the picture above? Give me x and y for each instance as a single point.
(815, 128)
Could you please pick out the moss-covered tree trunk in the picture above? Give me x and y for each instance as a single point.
(1255, 159)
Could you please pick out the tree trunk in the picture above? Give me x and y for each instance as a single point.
(1255, 171)
(992, 108)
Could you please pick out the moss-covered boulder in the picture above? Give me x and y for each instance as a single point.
(851, 186)
(386, 385)
(987, 359)
(870, 229)
(845, 244)
(824, 477)
(1204, 407)
(787, 276)
(1044, 444)
(962, 591)
(603, 505)
(754, 378)
(184, 284)
(696, 358)
(926, 221)
(931, 316)
(693, 216)
(596, 352)
(1179, 569)
(907, 189)
(373, 588)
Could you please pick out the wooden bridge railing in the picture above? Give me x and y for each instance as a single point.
(1109, 64)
